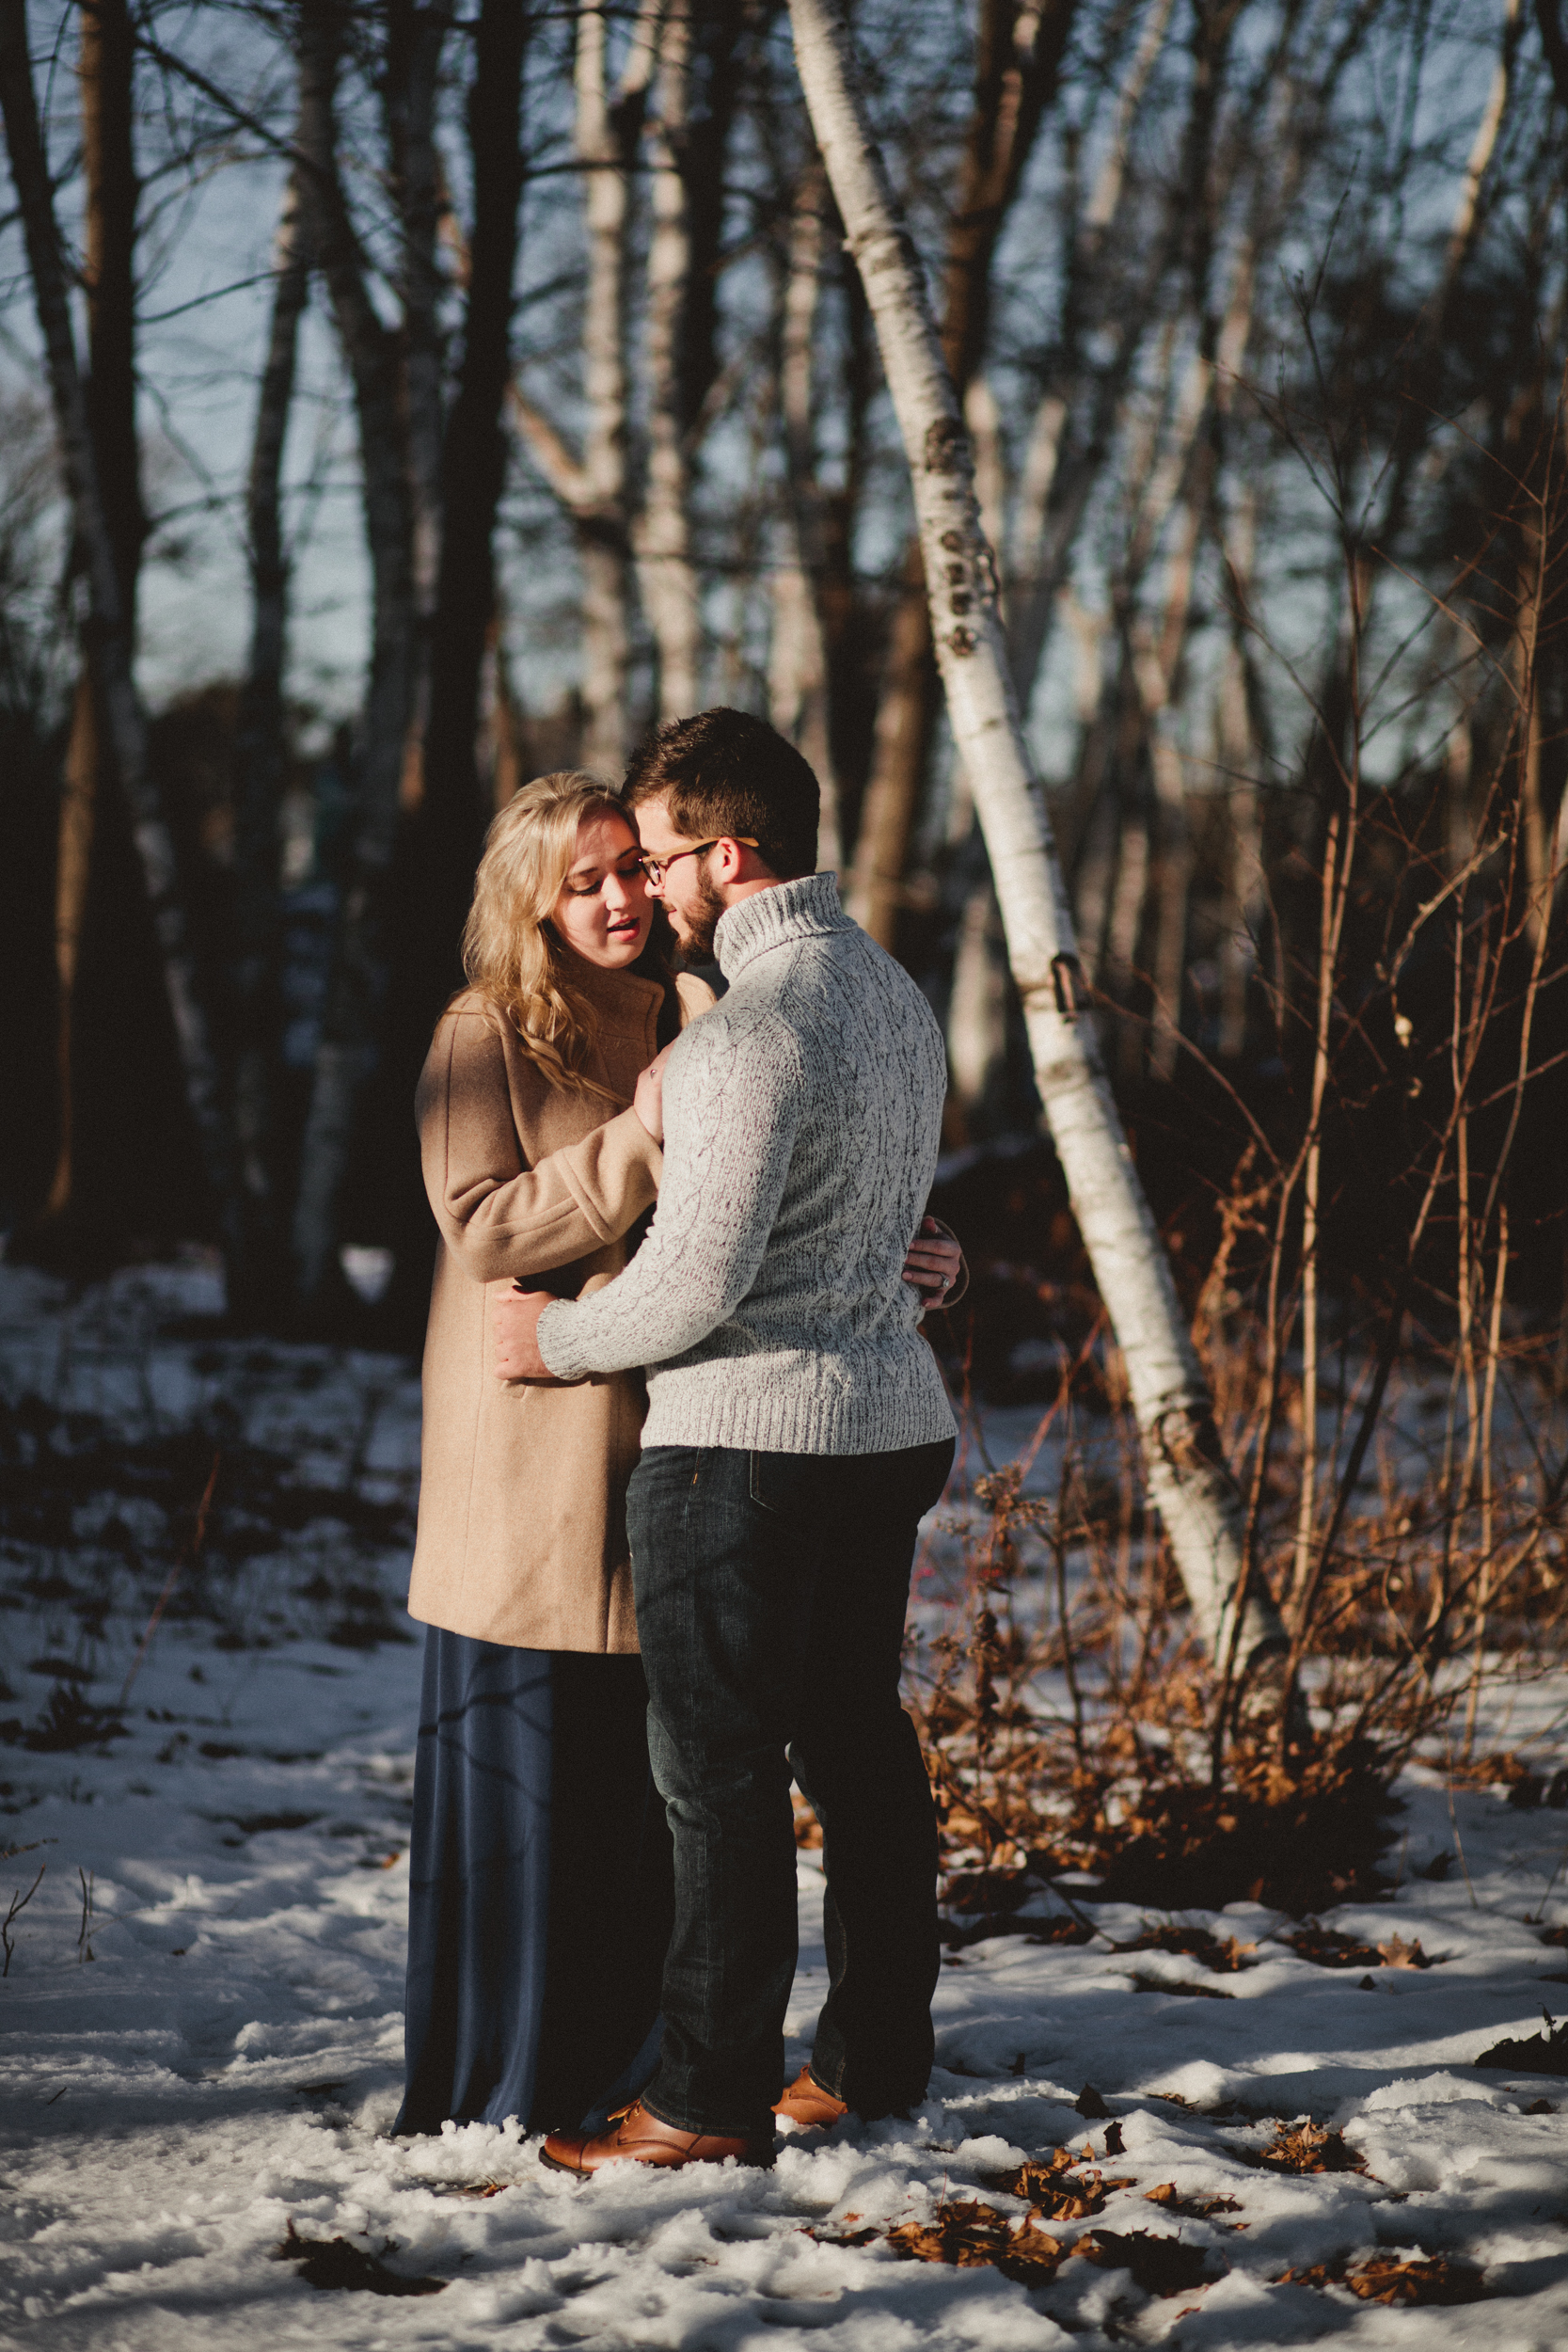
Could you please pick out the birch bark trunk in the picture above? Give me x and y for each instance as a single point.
(798, 665)
(259, 1272)
(667, 574)
(1019, 58)
(106, 632)
(351, 1026)
(1188, 1482)
(609, 132)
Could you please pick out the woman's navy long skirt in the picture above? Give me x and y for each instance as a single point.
(540, 1888)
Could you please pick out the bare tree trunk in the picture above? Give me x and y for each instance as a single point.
(977, 1019)
(411, 68)
(1239, 753)
(594, 491)
(104, 69)
(351, 1027)
(473, 476)
(797, 668)
(259, 1274)
(442, 836)
(1187, 1478)
(668, 575)
(79, 796)
(1018, 63)
(106, 632)
(609, 130)
(1060, 468)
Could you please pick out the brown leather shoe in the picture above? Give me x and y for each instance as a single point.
(805, 2102)
(643, 2138)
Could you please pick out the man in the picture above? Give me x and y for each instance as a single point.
(798, 1428)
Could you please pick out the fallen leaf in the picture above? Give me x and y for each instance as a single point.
(969, 2235)
(1194, 1944)
(1397, 1954)
(1387, 2278)
(1191, 2208)
(1091, 2105)
(1051, 2196)
(1309, 2148)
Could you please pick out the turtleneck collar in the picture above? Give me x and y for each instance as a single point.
(777, 917)
(625, 998)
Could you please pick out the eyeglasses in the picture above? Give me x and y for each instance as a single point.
(657, 867)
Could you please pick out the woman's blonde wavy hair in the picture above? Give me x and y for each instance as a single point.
(511, 949)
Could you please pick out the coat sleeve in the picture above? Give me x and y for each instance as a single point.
(499, 1216)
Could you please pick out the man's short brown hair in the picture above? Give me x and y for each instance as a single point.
(724, 772)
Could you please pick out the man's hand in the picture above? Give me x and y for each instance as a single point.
(932, 1264)
(648, 1102)
(517, 1324)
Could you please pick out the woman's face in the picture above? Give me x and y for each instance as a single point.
(604, 912)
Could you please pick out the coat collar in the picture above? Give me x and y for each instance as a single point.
(777, 917)
(624, 1001)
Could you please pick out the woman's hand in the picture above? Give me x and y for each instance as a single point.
(932, 1264)
(648, 1102)
(517, 1327)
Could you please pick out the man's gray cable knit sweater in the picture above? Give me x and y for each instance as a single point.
(801, 1119)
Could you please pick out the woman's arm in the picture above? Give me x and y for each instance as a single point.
(498, 1218)
(936, 1267)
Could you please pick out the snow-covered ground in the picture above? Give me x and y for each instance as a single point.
(226, 2066)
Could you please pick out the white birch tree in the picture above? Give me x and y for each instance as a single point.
(1188, 1480)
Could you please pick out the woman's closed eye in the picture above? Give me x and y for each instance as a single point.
(629, 871)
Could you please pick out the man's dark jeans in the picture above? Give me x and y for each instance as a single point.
(771, 1590)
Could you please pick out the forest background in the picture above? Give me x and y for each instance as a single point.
(466, 388)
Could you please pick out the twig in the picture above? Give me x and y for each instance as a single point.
(1459, 1842)
(83, 1950)
(18, 1903)
(190, 1554)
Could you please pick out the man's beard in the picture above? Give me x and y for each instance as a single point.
(698, 924)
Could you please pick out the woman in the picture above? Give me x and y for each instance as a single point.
(539, 1873)
(539, 1885)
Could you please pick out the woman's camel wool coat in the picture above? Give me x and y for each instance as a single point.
(522, 1494)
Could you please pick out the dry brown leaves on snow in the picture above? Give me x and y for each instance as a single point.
(1049, 2194)
(1388, 2279)
(1309, 2148)
(1326, 1949)
(966, 2235)
(1192, 2208)
(1225, 1959)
